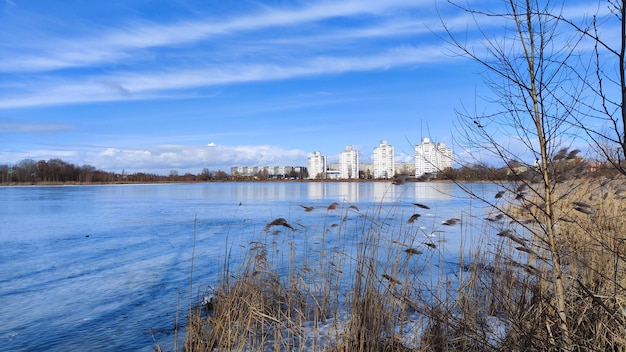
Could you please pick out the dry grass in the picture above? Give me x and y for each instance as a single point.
(592, 250)
(383, 286)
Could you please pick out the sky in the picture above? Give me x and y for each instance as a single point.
(155, 85)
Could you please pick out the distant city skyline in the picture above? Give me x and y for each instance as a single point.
(185, 85)
(429, 158)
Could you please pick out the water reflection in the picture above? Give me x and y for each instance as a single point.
(430, 190)
(247, 191)
(354, 192)
(351, 192)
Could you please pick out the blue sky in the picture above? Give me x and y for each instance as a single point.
(148, 85)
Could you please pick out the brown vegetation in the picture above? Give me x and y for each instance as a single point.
(57, 171)
(387, 289)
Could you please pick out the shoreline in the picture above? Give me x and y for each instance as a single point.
(25, 184)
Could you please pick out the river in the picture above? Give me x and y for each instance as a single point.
(107, 267)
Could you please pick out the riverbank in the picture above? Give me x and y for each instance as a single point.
(395, 287)
(209, 181)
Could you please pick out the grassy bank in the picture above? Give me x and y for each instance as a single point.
(382, 280)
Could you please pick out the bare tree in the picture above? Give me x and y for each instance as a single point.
(603, 118)
(528, 67)
(545, 88)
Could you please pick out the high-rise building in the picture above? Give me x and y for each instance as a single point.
(349, 163)
(383, 161)
(431, 158)
(446, 155)
(317, 166)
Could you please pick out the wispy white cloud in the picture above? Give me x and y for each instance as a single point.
(14, 156)
(20, 127)
(123, 42)
(127, 48)
(394, 28)
(202, 53)
(152, 85)
(166, 157)
(163, 158)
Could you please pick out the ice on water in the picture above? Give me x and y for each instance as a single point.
(104, 267)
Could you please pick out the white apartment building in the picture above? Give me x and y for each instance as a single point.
(446, 156)
(405, 168)
(383, 161)
(349, 164)
(268, 171)
(317, 166)
(431, 158)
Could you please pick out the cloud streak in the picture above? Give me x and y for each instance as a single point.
(79, 68)
(124, 42)
(208, 52)
(19, 127)
(194, 158)
(152, 85)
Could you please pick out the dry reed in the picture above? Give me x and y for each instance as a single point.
(384, 286)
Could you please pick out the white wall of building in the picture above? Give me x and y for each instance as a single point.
(317, 165)
(383, 161)
(446, 156)
(431, 158)
(349, 163)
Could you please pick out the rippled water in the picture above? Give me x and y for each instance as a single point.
(85, 268)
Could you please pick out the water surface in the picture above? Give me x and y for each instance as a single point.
(86, 268)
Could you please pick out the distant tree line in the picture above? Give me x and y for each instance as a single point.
(57, 171)
(567, 167)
